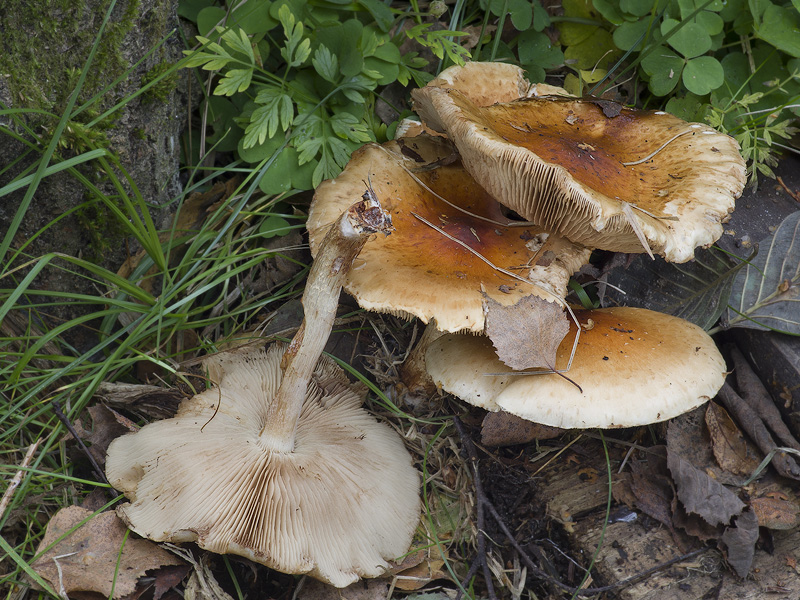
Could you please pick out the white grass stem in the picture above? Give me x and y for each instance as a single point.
(17, 479)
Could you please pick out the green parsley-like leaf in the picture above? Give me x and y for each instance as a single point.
(326, 64)
(235, 80)
(297, 48)
(346, 126)
(276, 110)
(209, 62)
(238, 40)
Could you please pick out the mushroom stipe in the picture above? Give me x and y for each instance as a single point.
(278, 462)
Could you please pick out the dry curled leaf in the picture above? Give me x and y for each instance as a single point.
(740, 542)
(504, 429)
(97, 557)
(776, 511)
(728, 442)
(702, 495)
(527, 334)
(652, 487)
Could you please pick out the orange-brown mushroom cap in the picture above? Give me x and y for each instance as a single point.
(563, 163)
(633, 366)
(420, 271)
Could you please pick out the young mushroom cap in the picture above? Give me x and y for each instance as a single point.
(633, 366)
(338, 507)
(603, 175)
(422, 271)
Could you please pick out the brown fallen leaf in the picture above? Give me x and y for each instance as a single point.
(527, 334)
(689, 438)
(728, 443)
(96, 557)
(504, 429)
(107, 425)
(694, 525)
(776, 512)
(652, 486)
(739, 542)
(702, 495)
(417, 569)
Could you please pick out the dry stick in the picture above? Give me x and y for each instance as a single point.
(793, 195)
(586, 591)
(95, 467)
(753, 392)
(482, 503)
(755, 428)
(12, 487)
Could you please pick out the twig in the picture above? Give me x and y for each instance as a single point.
(95, 467)
(652, 154)
(12, 487)
(794, 195)
(754, 427)
(482, 503)
(585, 591)
(753, 392)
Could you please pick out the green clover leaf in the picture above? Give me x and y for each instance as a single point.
(702, 75)
(664, 68)
(690, 40)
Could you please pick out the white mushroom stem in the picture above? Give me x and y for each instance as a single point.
(340, 247)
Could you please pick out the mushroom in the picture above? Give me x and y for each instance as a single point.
(602, 175)
(631, 367)
(484, 83)
(278, 462)
(453, 246)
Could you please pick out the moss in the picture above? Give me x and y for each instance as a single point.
(139, 133)
(101, 228)
(165, 83)
(46, 45)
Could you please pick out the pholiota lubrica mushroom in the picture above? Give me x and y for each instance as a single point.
(631, 367)
(277, 461)
(601, 174)
(453, 246)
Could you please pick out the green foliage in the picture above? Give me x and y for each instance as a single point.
(734, 64)
(295, 83)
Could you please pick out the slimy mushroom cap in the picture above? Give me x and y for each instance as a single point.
(633, 366)
(419, 271)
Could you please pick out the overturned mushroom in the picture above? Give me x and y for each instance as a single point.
(631, 367)
(278, 462)
(602, 175)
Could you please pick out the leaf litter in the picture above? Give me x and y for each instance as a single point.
(527, 334)
(85, 553)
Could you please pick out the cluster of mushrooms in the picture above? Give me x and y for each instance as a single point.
(278, 462)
